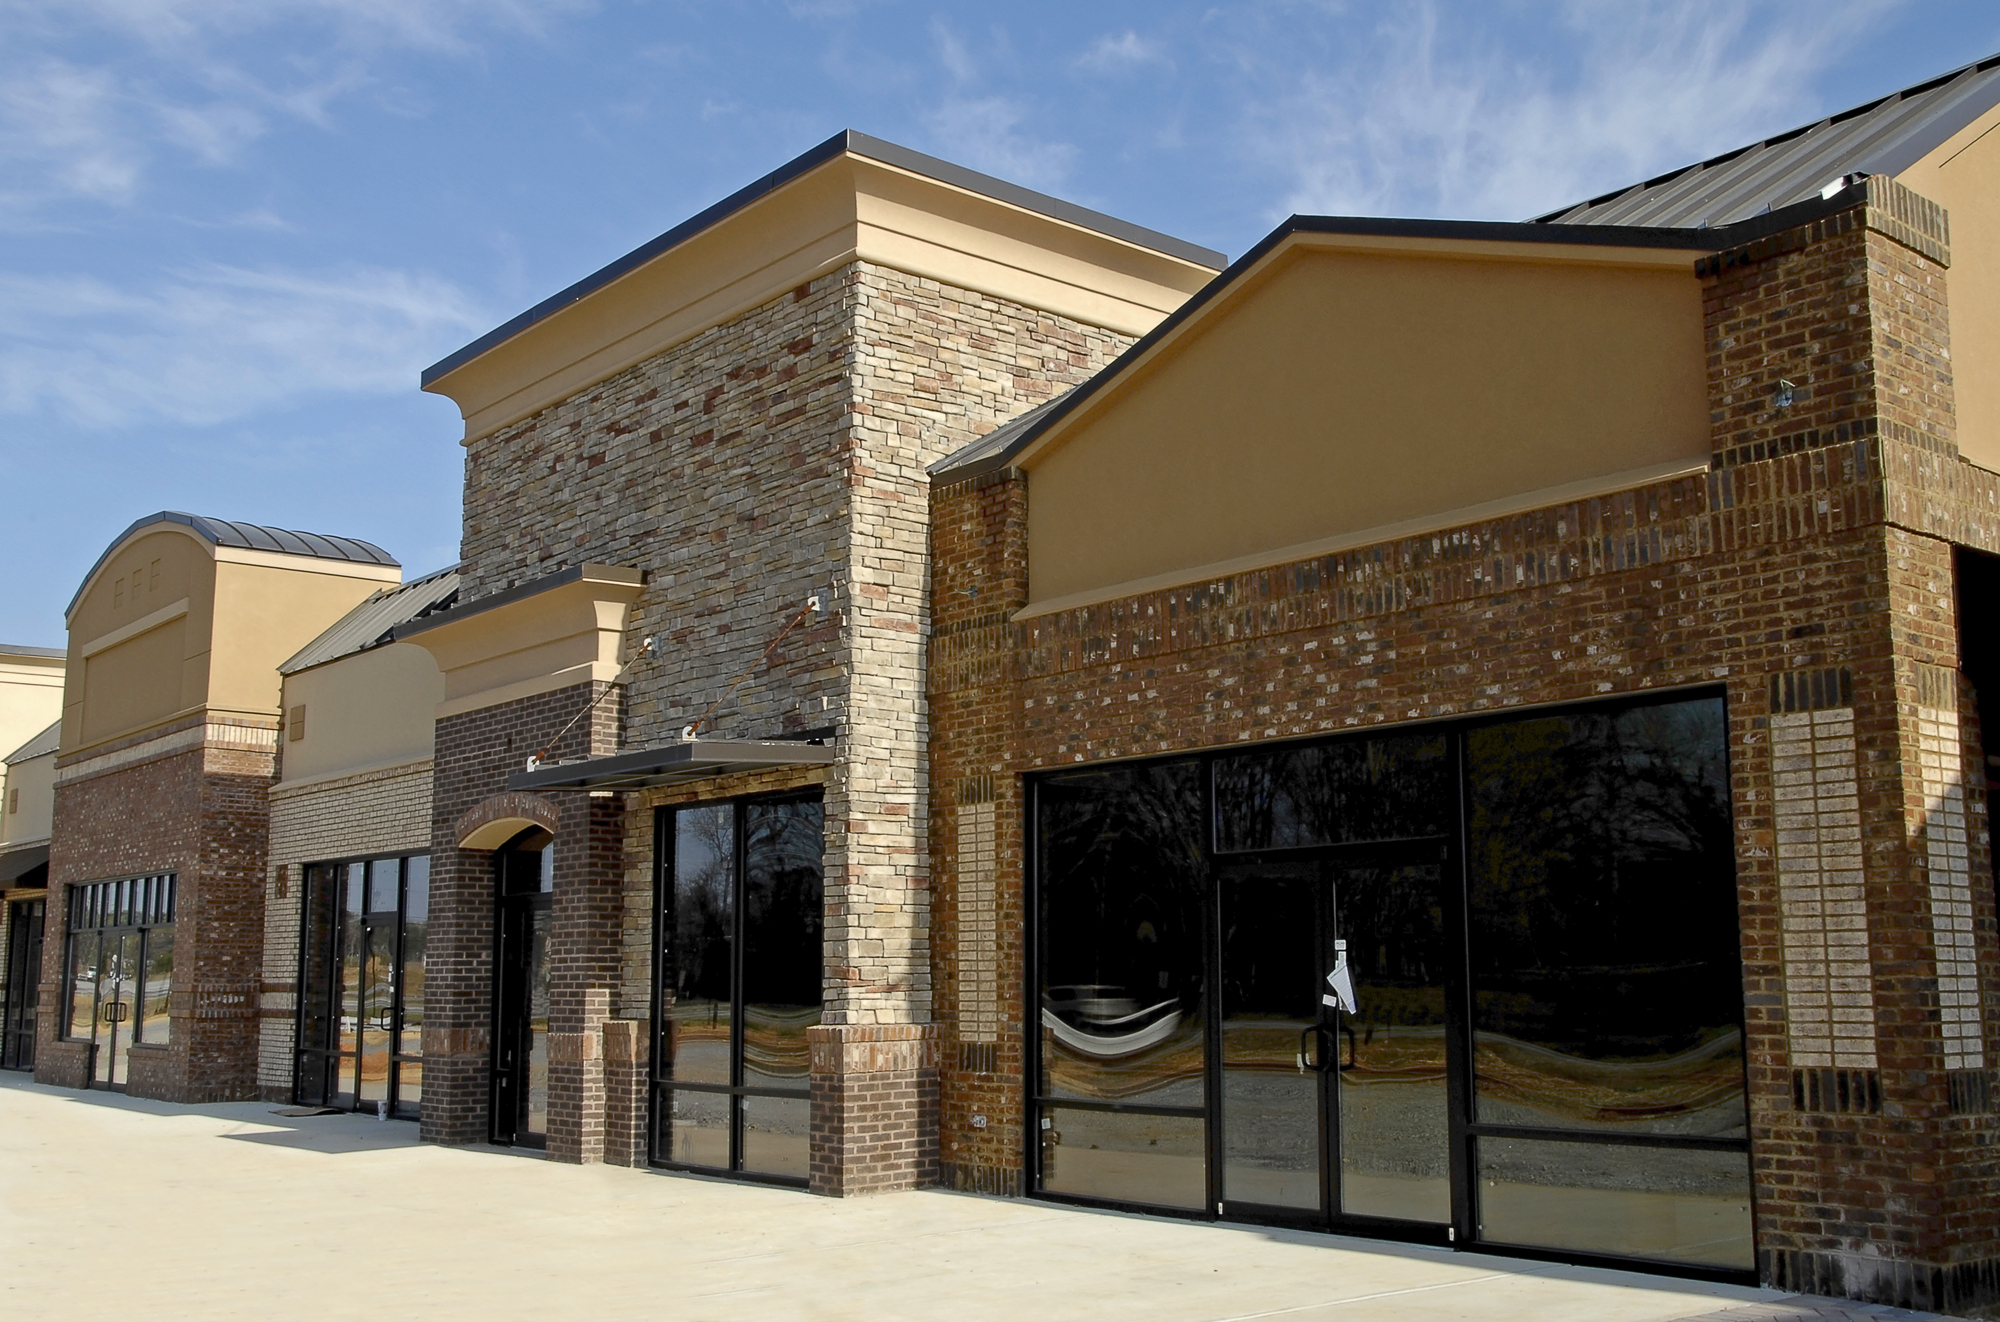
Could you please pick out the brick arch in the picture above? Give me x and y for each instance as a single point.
(498, 818)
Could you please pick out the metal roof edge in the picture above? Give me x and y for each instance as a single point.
(204, 527)
(1504, 231)
(1928, 85)
(846, 141)
(723, 757)
(32, 747)
(22, 649)
(291, 665)
(520, 592)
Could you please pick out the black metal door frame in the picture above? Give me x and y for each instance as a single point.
(513, 999)
(21, 991)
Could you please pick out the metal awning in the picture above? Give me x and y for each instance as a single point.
(16, 863)
(672, 764)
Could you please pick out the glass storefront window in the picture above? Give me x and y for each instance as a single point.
(1395, 787)
(360, 1024)
(1669, 1204)
(120, 969)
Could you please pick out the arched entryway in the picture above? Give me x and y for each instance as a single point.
(524, 891)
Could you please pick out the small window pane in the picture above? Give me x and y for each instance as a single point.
(1157, 1160)
(1671, 1204)
(384, 883)
(416, 929)
(693, 1128)
(782, 916)
(774, 1135)
(1393, 788)
(83, 985)
(155, 1023)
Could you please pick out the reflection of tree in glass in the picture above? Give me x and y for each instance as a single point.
(701, 898)
(1359, 789)
(1602, 873)
(1122, 882)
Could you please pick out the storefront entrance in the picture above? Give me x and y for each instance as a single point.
(120, 970)
(23, 987)
(1474, 984)
(526, 878)
(361, 985)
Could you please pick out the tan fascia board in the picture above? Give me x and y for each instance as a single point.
(1443, 520)
(144, 624)
(306, 564)
(1271, 264)
(849, 209)
(535, 641)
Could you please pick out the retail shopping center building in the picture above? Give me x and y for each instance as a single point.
(1456, 732)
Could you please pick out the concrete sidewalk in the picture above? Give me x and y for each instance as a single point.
(109, 1203)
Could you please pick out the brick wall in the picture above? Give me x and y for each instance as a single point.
(386, 811)
(198, 809)
(1778, 563)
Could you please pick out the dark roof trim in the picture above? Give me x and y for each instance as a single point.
(1955, 118)
(986, 460)
(860, 144)
(19, 862)
(21, 649)
(507, 596)
(249, 537)
(670, 764)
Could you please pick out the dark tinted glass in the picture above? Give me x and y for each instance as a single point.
(416, 929)
(1122, 898)
(1126, 1158)
(321, 902)
(699, 925)
(782, 917)
(1392, 788)
(1672, 1204)
(1606, 983)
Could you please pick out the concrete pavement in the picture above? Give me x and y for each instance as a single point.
(110, 1204)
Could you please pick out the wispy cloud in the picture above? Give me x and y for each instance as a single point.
(1122, 52)
(1428, 121)
(985, 131)
(219, 342)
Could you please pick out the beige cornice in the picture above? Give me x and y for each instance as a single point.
(849, 209)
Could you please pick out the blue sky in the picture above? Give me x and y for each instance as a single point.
(233, 231)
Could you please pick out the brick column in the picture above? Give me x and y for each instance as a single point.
(1868, 1029)
(627, 1049)
(874, 1107)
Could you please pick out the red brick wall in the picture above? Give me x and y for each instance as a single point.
(1776, 561)
(200, 813)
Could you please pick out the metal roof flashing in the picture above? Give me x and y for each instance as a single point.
(844, 143)
(373, 623)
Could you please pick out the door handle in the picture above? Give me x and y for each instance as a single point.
(1320, 1031)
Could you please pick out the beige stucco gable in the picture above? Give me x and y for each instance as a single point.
(169, 624)
(1353, 388)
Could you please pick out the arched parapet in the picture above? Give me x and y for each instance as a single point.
(498, 818)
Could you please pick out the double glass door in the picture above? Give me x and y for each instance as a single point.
(120, 970)
(520, 1102)
(1333, 1043)
(361, 992)
(24, 976)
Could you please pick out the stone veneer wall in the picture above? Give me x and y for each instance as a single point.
(768, 459)
(383, 811)
(191, 800)
(1781, 575)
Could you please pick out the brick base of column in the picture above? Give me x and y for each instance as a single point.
(458, 1080)
(874, 1108)
(1899, 1283)
(627, 1044)
(576, 1098)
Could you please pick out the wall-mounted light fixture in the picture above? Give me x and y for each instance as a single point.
(1781, 398)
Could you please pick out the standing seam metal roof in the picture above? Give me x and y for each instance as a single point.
(249, 537)
(1886, 136)
(41, 744)
(372, 622)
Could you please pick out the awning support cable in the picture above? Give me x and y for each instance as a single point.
(810, 608)
(535, 758)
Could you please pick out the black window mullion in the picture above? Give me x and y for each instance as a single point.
(739, 928)
(1459, 1102)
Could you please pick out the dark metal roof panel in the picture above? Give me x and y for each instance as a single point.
(860, 144)
(672, 764)
(21, 649)
(1885, 136)
(373, 622)
(249, 537)
(40, 746)
(997, 440)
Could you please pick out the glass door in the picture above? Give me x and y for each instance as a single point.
(361, 989)
(1334, 1100)
(526, 876)
(23, 989)
(740, 982)
(120, 970)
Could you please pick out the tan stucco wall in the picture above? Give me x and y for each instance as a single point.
(368, 710)
(1340, 392)
(31, 689)
(1963, 176)
(851, 208)
(28, 801)
(169, 624)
